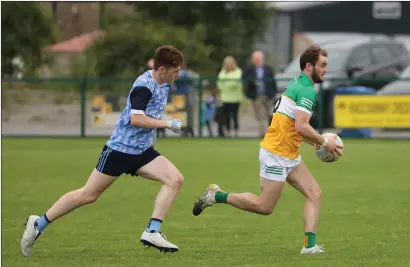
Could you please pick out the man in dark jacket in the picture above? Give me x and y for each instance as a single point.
(260, 87)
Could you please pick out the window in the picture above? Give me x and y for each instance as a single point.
(382, 54)
(398, 50)
(406, 73)
(360, 58)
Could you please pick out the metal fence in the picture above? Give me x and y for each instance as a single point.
(90, 107)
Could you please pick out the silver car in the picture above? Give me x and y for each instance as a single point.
(398, 87)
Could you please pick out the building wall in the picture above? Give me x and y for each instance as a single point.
(350, 17)
(340, 17)
(76, 18)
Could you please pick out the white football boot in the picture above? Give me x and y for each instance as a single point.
(29, 236)
(317, 249)
(206, 200)
(159, 241)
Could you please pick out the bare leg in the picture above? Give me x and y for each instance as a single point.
(162, 170)
(265, 204)
(301, 179)
(97, 183)
(271, 188)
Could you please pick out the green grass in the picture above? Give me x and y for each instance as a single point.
(365, 217)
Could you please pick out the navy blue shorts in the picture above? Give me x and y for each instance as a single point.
(115, 163)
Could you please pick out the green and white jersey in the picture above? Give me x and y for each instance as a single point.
(302, 96)
(281, 137)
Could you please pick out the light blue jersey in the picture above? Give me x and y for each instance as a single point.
(146, 97)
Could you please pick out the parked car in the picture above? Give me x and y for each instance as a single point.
(365, 62)
(398, 87)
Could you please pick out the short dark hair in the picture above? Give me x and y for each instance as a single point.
(167, 56)
(311, 55)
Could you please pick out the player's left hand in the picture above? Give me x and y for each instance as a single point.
(338, 151)
(175, 125)
(333, 148)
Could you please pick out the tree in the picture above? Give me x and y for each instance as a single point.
(131, 41)
(26, 29)
(231, 27)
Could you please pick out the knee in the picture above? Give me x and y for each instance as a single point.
(263, 210)
(176, 180)
(87, 197)
(314, 194)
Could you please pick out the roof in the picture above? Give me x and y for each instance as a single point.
(76, 44)
(295, 6)
(341, 40)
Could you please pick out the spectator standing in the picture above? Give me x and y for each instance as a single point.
(260, 88)
(230, 87)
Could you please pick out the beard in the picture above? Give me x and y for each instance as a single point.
(316, 76)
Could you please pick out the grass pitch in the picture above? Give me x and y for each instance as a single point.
(365, 217)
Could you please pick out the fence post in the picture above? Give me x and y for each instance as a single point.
(321, 101)
(200, 93)
(83, 89)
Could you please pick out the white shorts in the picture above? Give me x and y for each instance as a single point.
(274, 167)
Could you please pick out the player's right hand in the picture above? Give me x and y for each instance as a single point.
(333, 148)
(175, 125)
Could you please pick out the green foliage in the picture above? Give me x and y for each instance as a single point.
(82, 66)
(231, 27)
(131, 41)
(27, 28)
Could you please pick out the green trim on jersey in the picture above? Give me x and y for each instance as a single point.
(301, 91)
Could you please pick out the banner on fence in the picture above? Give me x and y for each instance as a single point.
(176, 109)
(375, 111)
(107, 109)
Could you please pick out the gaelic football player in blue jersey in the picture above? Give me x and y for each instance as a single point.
(130, 151)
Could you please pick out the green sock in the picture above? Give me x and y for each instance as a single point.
(221, 197)
(310, 239)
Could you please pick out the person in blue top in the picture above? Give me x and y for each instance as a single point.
(130, 151)
(208, 110)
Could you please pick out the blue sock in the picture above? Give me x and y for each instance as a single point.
(154, 225)
(42, 223)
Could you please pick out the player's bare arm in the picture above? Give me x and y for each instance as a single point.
(308, 142)
(309, 134)
(143, 121)
(139, 99)
(303, 128)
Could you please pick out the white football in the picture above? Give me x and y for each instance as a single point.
(321, 152)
